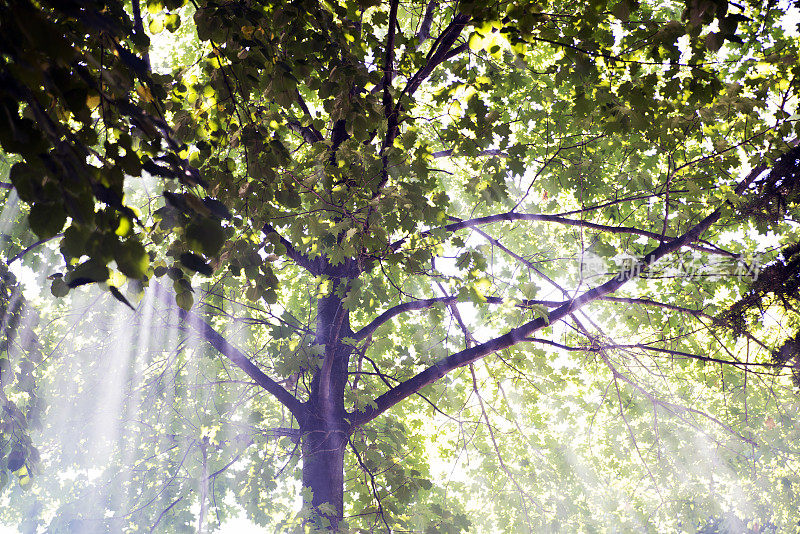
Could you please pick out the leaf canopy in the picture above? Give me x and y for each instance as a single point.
(538, 222)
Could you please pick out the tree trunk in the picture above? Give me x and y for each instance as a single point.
(323, 472)
(325, 430)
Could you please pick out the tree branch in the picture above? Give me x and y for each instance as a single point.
(389, 108)
(372, 484)
(650, 302)
(691, 356)
(309, 133)
(487, 152)
(439, 52)
(455, 51)
(424, 32)
(237, 357)
(298, 257)
(395, 311)
(424, 304)
(388, 62)
(511, 477)
(643, 346)
(538, 217)
(164, 512)
(138, 27)
(317, 266)
(507, 217)
(33, 246)
(519, 334)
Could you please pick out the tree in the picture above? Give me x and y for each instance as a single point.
(530, 175)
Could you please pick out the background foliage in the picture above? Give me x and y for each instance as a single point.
(477, 184)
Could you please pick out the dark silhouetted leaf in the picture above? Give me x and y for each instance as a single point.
(196, 263)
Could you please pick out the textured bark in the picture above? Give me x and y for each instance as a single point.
(325, 429)
(323, 470)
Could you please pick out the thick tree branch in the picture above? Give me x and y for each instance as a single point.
(390, 110)
(138, 28)
(298, 257)
(424, 32)
(309, 133)
(319, 265)
(439, 52)
(395, 311)
(455, 51)
(237, 357)
(521, 333)
(388, 62)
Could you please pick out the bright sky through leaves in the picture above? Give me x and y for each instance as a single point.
(372, 266)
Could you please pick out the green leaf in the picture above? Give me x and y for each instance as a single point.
(156, 25)
(132, 259)
(120, 297)
(184, 299)
(270, 296)
(196, 263)
(46, 219)
(540, 311)
(217, 208)
(59, 287)
(27, 180)
(16, 460)
(86, 273)
(205, 236)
